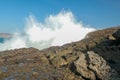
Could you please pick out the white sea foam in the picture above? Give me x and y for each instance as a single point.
(56, 30)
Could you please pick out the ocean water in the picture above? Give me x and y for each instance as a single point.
(2, 40)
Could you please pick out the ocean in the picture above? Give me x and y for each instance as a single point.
(2, 40)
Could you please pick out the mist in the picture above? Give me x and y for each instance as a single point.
(56, 30)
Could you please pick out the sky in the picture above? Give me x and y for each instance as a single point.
(96, 13)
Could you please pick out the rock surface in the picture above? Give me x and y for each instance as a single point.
(93, 67)
(81, 67)
(97, 57)
(117, 34)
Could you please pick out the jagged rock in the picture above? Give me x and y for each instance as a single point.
(58, 61)
(68, 62)
(92, 66)
(117, 34)
(98, 65)
(82, 68)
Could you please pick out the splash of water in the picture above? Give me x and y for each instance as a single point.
(55, 31)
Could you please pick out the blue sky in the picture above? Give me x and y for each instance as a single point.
(97, 13)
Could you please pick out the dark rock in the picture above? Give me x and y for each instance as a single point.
(117, 34)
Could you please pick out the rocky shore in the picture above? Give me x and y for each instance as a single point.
(97, 57)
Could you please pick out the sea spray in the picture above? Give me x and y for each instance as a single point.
(56, 30)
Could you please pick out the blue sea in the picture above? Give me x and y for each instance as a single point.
(2, 40)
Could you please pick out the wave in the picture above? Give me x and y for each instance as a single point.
(56, 30)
